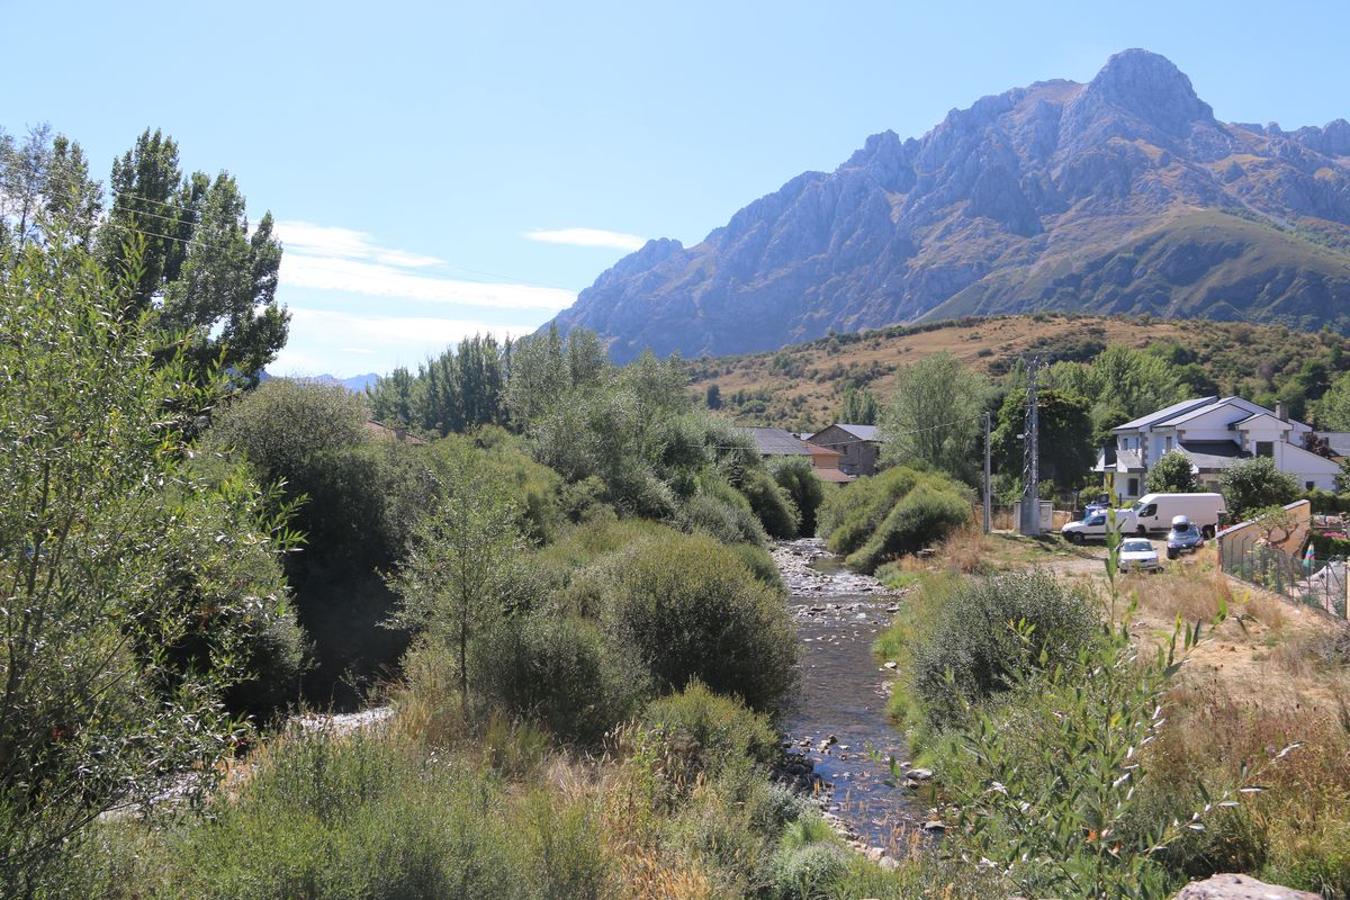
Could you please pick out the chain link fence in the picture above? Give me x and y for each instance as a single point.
(1319, 583)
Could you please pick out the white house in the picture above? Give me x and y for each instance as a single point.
(1214, 432)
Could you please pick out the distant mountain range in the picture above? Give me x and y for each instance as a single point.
(356, 384)
(1123, 195)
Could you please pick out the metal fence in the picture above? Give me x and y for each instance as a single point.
(1319, 583)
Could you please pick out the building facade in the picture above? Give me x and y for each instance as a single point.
(1214, 432)
(860, 446)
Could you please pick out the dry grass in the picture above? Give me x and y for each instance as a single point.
(1297, 829)
(1195, 596)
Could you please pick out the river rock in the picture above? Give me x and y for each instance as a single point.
(1239, 887)
(920, 774)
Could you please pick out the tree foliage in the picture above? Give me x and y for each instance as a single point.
(184, 243)
(1172, 474)
(1065, 440)
(461, 575)
(797, 477)
(118, 566)
(355, 500)
(934, 416)
(1253, 484)
(459, 390)
(1121, 383)
(1333, 408)
(859, 406)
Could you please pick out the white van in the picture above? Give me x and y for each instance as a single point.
(1094, 526)
(1155, 512)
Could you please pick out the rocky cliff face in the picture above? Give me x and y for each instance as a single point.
(1121, 195)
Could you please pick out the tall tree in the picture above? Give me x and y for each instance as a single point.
(934, 416)
(45, 183)
(153, 214)
(93, 709)
(226, 291)
(859, 406)
(1065, 426)
(1332, 410)
(461, 573)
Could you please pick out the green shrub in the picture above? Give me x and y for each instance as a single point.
(1069, 814)
(970, 648)
(690, 609)
(898, 511)
(848, 516)
(349, 817)
(728, 521)
(922, 518)
(559, 672)
(1329, 545)
(1253, 484)
(797, 477)
(771, 503)
(711, 730)
(808, 872)
(760, 563)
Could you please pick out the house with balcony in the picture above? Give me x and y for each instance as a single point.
(1214, 432)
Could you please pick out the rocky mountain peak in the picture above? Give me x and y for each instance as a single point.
(1151, 87)
(1123, 195)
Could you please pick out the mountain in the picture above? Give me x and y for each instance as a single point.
(1120, 196)
(356, 384)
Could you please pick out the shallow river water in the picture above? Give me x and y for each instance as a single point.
(843, 696)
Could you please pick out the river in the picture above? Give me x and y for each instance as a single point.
(839, 723)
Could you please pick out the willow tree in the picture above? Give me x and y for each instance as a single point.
(110, 561)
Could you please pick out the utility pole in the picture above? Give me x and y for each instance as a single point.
(988, 485)
(1031, 502)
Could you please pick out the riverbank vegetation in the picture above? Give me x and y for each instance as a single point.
(560, 587)
(1217, 773)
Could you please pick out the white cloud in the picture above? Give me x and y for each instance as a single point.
(586, 237)
(338, 343)
(333, 274)
(310, 239)
(328, 258)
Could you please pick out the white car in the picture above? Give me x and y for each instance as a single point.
(1138, 555)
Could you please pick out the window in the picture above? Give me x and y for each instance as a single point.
(1265, 448)
(1134, 487)
(1150, 510)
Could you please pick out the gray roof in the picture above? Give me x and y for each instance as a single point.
(861, 432)
(1176, 410)
(1213, 454)
(777, 442)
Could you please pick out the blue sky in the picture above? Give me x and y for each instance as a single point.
(443, 168)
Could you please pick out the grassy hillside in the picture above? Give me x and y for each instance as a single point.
(803, 386)
(1191, 263)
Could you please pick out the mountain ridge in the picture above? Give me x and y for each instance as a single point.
(1121, 195)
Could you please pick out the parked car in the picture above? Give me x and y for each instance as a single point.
(1092, 525)
(1154, 512)
(1138, 555)
(1185, 537)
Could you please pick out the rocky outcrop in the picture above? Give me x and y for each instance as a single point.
(1058, 195)
(1239, 887)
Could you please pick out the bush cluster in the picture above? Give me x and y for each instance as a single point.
(690, 609)
(898, 511)
(965, 640)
